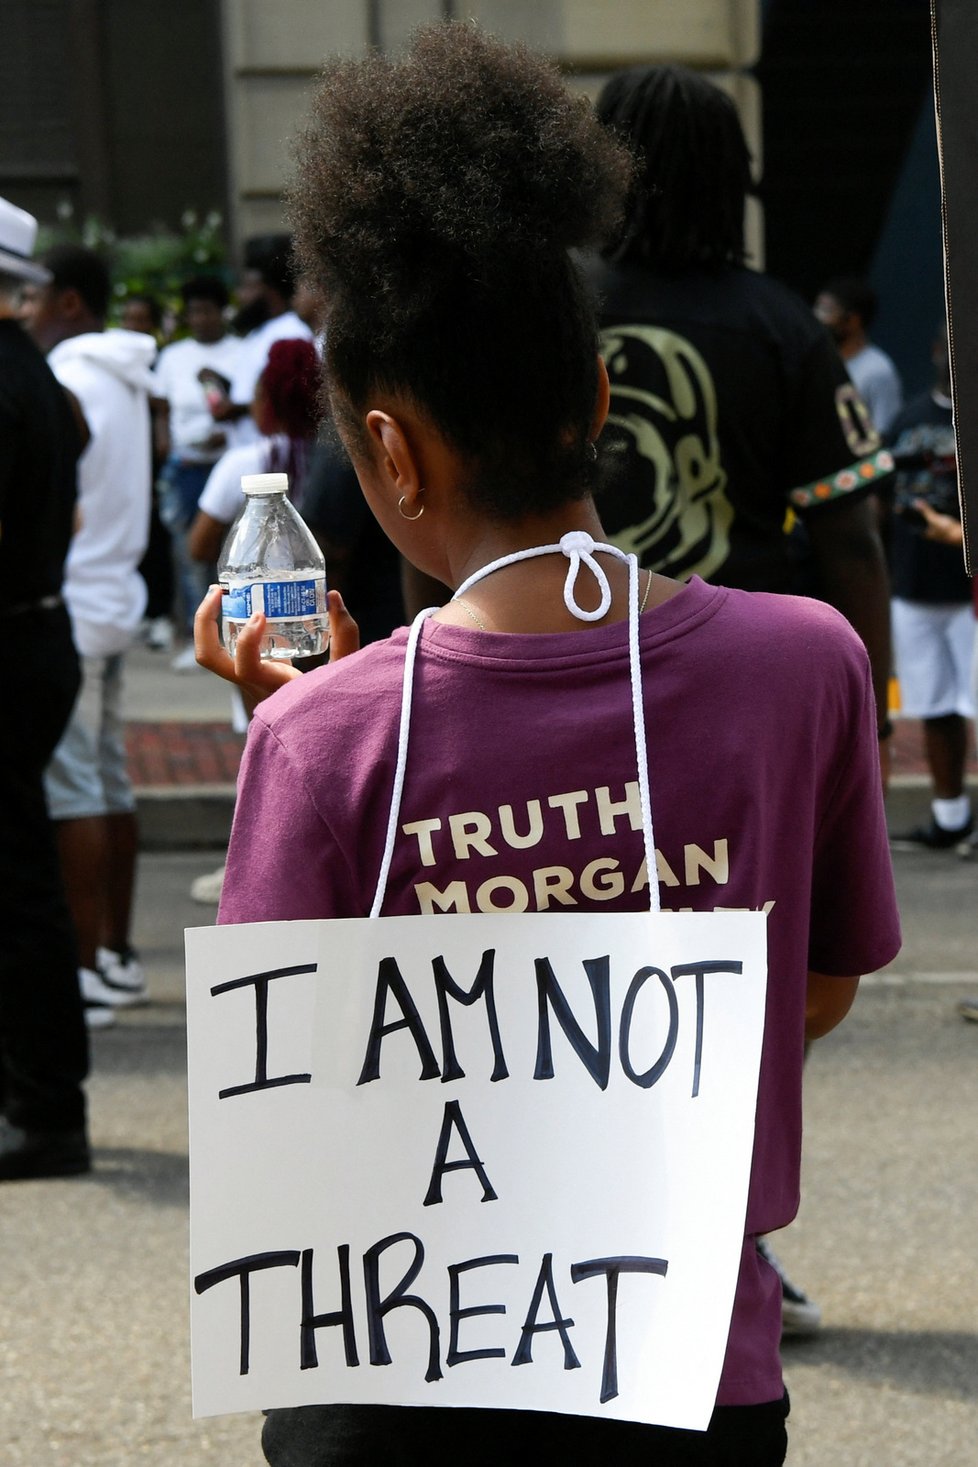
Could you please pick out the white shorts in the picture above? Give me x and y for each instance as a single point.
(87, 774)
(933, 646)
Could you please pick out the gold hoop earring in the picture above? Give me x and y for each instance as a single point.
(400, 509)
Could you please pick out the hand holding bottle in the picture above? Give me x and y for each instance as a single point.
(258, 677)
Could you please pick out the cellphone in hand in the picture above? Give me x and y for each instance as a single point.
(217, 389)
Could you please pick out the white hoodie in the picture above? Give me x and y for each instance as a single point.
(109, 373)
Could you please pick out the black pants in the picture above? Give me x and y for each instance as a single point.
(395, 1436)
(43, 1042)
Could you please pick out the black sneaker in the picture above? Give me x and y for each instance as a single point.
(25, 1154)
(932, 837)
(799, 1315)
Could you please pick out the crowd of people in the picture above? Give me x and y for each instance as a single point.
(733, 445)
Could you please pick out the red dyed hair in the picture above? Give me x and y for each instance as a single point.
(290, 383)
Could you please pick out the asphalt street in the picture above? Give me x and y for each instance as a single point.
(94, 1362)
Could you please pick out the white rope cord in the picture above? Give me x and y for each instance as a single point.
(638, 724)
(579, 547)
(402, 748)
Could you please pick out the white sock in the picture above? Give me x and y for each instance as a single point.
(952, 814)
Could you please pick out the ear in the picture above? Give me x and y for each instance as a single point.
(396, 455)
(602, 401)
(70, 304)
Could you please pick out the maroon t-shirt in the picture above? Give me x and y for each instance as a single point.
(521, 793)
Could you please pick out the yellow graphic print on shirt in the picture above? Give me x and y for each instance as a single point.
(674, 437)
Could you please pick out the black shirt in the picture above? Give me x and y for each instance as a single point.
(922, 439)
(729, 406)
(39, 448)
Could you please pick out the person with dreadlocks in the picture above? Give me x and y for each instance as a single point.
(438, 199)
(736, 447)
(732, 418)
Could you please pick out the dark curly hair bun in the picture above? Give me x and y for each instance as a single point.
(437, 196)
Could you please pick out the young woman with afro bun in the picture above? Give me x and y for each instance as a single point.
(438, 198)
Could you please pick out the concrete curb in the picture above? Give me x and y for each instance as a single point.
(198, 817)
(185, 817)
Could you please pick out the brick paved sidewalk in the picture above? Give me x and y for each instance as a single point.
(162, 755)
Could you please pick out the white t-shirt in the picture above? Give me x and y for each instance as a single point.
(250, 364)
(222, 497)
(109, 373)
(176, 379)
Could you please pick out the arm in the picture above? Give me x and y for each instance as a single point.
(852, 577)
(205, 537)
(942, 528)
(160, 409)
(827, 1001)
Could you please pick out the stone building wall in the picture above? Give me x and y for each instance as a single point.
(272, 53)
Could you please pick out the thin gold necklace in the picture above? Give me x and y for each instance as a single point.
(469, 612)
(460, 601)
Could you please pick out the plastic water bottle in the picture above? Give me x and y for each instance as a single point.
(271, 563)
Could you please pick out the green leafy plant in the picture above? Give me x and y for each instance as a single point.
(154, 263)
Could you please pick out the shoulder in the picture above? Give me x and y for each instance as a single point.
(173, 358)
(342, 716)
(367, 682)
(874, 364)
(73, 368)
(221, 497)
(284, 328)
(804, 637)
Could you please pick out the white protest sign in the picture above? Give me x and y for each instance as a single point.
(471, 1161)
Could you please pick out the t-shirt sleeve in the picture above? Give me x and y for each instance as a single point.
(222, 498)
(833, 450)
(283, 862)
(855, 925)
(885, 399)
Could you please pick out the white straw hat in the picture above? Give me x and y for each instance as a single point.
(18, 231)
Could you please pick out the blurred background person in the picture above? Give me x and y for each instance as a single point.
(188, 441)
(735, 447)
(933, 622)
(43, 1044)
(847, 306)
(264, 316)
(361, 562)
(143, 312)
(286, 415)
(88, 789)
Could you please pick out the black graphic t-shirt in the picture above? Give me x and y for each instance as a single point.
(922, 441)
(730, 406)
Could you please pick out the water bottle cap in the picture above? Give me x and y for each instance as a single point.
(264, 483)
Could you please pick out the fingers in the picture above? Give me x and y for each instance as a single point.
(207, 638)
(940, 527)
(344, 634)
(255, 676)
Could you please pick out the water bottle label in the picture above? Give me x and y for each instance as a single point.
(279, 600)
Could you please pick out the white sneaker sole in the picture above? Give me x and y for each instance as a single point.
(106, 992)
(97, 1016)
